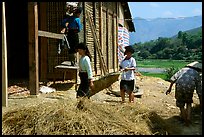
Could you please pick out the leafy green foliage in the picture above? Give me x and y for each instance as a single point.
(169, 72)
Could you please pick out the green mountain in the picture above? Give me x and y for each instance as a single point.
(194, 31)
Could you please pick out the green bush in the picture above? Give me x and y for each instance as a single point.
(169, 72)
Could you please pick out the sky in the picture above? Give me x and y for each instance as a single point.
(150, 10)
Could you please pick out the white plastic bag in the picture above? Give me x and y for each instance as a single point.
(45, 89)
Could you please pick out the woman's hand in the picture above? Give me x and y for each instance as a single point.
(168, 91)
(63, 30)
(91, 84)
(126, 69)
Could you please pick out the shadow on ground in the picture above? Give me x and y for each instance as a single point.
(174, 125)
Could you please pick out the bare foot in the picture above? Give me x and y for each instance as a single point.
(122, 101)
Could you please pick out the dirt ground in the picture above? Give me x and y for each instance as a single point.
(153, 98)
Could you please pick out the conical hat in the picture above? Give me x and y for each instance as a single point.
(195, 64)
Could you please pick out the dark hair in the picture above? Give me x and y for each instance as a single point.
(78, 10)
(84, 47)
(129, 49)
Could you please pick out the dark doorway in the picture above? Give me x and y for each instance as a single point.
(17, 39)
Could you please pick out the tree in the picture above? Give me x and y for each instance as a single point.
(184, 38)
(180, 34)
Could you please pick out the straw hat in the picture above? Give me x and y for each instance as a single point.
(195, 64)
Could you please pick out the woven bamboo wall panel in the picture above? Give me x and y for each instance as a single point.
(56, 11)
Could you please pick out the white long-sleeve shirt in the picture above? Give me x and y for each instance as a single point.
(85, 66)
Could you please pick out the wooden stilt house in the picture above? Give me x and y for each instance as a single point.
(33, 56)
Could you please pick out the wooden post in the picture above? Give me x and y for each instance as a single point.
(4, 60)
(33, 48)
(113, 42)
(117, 15)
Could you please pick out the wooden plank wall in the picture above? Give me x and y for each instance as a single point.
(55, 13)
(88, 34)
(104, 15)
(43, 41)
(54, 10)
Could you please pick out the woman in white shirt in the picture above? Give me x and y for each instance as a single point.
(128, 66)
(85, 71)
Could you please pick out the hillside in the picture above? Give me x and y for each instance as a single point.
(194, 31)
(147, 30)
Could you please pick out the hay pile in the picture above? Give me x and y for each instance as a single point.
(65, 117)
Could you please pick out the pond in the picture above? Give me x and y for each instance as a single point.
(151, 70)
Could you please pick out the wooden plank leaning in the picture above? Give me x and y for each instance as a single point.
(50, 34)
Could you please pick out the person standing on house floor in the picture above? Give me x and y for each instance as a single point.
(85, 71)
(70, 8)
(127, 66)
(71, 27)
(186, 81)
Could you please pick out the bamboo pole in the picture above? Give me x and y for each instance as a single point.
(4, 60)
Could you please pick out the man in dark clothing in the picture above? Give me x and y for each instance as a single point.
(71, 27)
(187, 80)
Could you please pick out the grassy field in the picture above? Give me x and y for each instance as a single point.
(158, 75)
(158, 63)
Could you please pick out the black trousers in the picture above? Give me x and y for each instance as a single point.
(73, 39)
(83, 89)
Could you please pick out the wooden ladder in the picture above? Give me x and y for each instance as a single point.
(98, 46)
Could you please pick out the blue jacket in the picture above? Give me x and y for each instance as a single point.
(74, 23)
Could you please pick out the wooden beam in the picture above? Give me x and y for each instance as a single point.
(50, 34)
(33, 48)
(4, 60)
